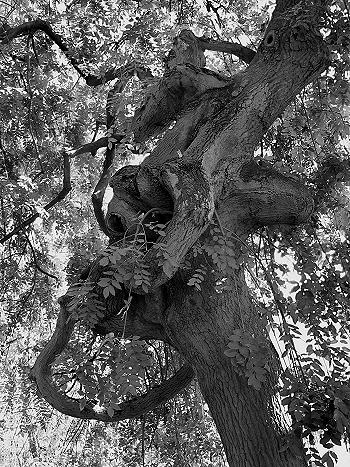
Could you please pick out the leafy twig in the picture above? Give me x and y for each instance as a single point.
(278, 303)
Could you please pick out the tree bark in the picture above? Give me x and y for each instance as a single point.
(249, 421)
(206, 161)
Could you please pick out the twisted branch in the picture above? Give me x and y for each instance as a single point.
(41, 375)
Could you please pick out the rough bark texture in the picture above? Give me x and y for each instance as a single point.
(199, 325)
(204, 164)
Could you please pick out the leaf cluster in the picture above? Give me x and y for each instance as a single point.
(250, 356)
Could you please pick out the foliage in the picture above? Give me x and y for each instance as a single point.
(249, 356)
(104, 373)
(118, 272)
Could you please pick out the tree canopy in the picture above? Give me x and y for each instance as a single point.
(175, 243)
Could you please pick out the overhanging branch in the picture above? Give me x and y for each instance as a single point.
(8, 34)
(95, 145)
(37, 265)
(31, 27)
(244, 53)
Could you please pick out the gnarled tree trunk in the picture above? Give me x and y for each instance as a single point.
(205, 165)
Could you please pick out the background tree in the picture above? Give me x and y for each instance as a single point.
(202, 234)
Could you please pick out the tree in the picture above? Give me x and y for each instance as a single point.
(202, 210)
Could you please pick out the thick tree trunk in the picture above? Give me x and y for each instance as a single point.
(249, 421)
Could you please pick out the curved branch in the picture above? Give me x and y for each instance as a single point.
(100, 189)
(244, 53)
(8, 34)
(261, 195)
(39, 25)
(179, 188)
(61, 195)
(41, 375)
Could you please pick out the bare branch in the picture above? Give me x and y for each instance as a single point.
(244, 53)
(61, 195)
(30, 28)
(95, 145)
